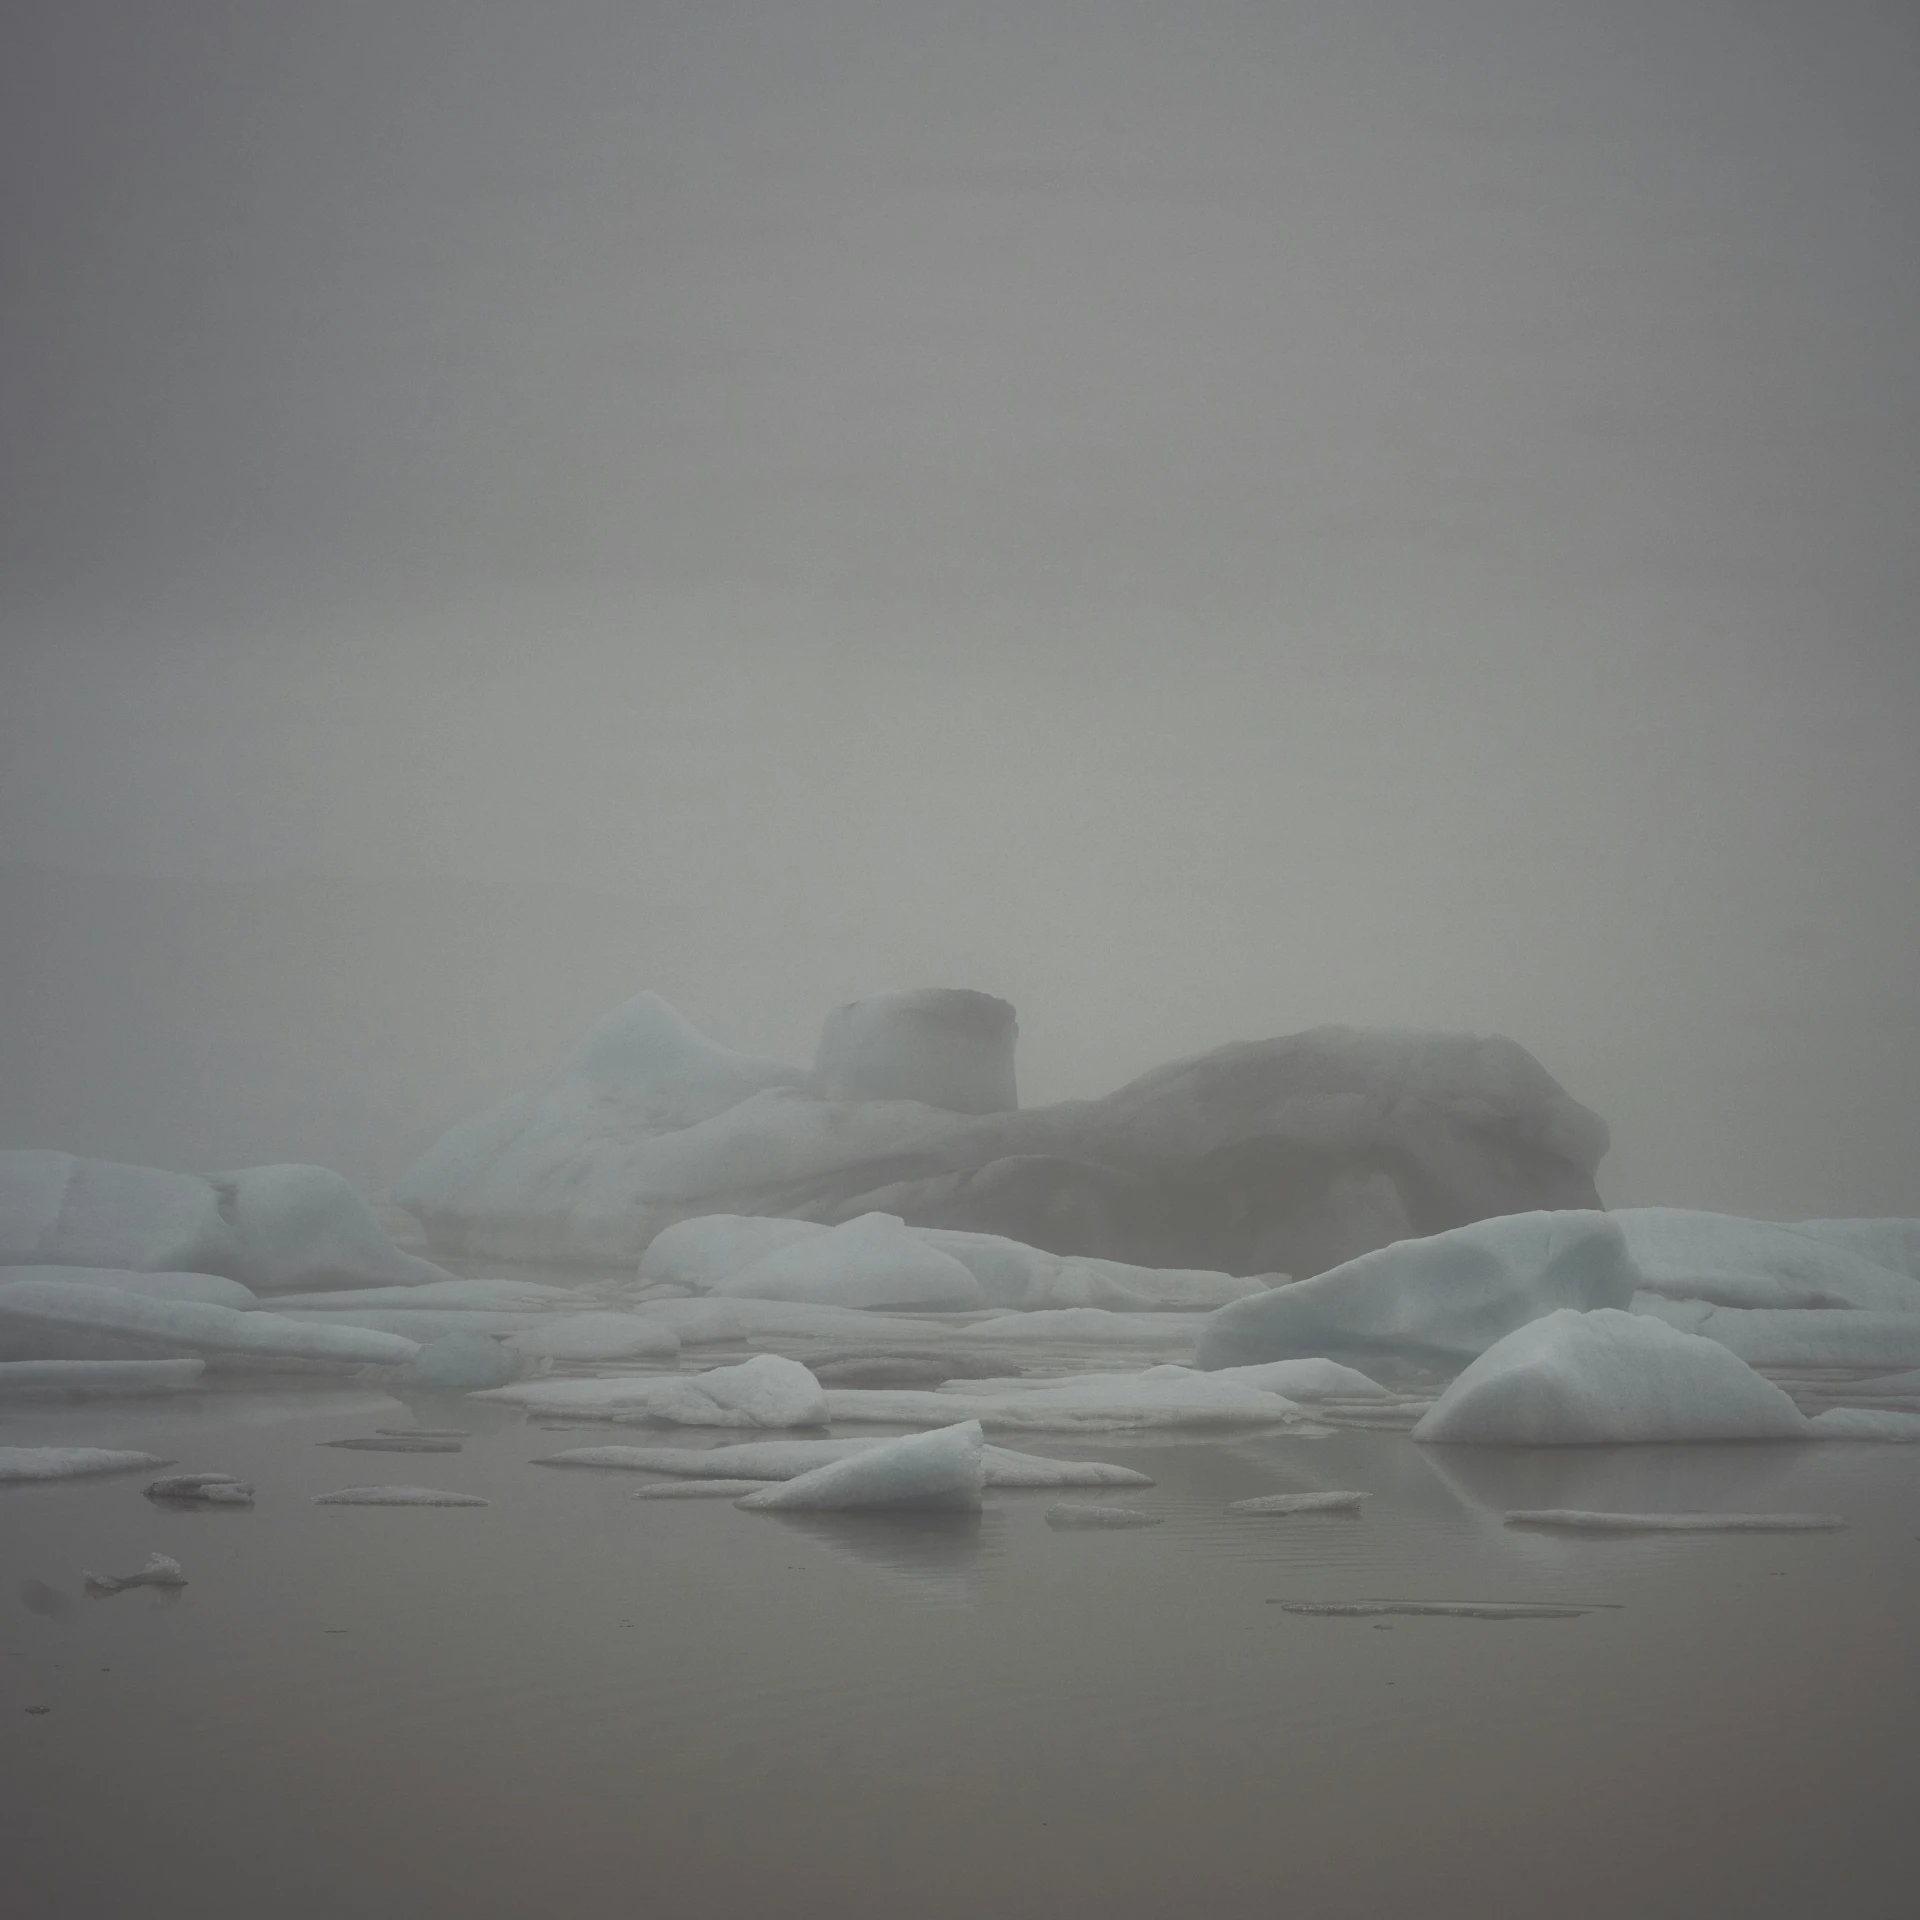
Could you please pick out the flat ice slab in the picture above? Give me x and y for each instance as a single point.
(700, 1489)
(766, 1391)
(99, 1379)
(1607, 1379)
(68, 1463)
(763, 1460)
(1448, 1297)
(1782, 1337)
(1069, 1515)
(942, 1471)
(1434, 1609)
(1286, 1503)
(210, 1288)
(62, 1321)
(397, 1497)
(1093, 1326)
(1864, 1423)
(1759, 1264)
(1166, 1397)
(1575, 1520)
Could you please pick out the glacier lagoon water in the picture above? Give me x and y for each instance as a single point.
(573, 1701)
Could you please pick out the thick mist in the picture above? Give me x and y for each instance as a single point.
(1201, 522)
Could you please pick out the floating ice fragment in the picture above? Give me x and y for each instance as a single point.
(68, 1463)
(1575, 1520)
(942, 1471)
(98, 1379)
(1300, 1503)
(1864, 1423)
(701, 1489)
(785, 1459)
(160, 1571)
(1069, 1515)
(397, 1497)
(398, 1443)
(1439, 1609)
(203, 1489)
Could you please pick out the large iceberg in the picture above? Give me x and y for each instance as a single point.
(1607, 1378)
(869, 1262)
(274, 1229)
(1286, 1155)
(1731, 1262)
(1447, 1298)
(940, 1472)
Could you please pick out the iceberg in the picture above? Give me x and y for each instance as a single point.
(62, 1320)
(1446, 1298)
(161, 1570)
(941, 1046)
(98, 1379)
(700, 1253)
(397, 1497)
(275, 1229)
(1730, 1262)
(1864, 1423)
(1784, 1337)
(1890, 1243)
(1607, 1378)
(766, 1391)
(869, 1262)
(68, 1463)
(942, 1471)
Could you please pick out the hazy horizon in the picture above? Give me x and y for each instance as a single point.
(1202, 524)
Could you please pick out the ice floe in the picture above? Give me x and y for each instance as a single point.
(1449, 1297)
(69, 1463)
(1864, 1423)
(161, 1570)
(873, 1261)
(1071, 1515)
(1578, 1520)
(397, 1497)
(942, 1471)
(1607, 1378)
(59, 1320)
(1158, 1397)
(784, 1459)
(766, 1391)
(1732, 1262)
(1291, 1503)
(200, 1489)
(1093, 1326)
(700, 1489)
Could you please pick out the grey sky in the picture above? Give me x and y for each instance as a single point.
(1203, 520)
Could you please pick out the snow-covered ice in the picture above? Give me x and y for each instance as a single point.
(942, 1471)
(58, 1320)
(1607, 1378)
(99, 1379)
(69, 1463)
(1448, 1297)
(397, 1497)
(1578, 1520)
(873, 1261)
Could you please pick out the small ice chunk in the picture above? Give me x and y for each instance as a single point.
(942, 1471)
(68, 1463)
(701, 1489)
(202, 1489)
(398, 1443)
(1076, 1514)
(397, 1497)
(1864, 1423)
(1575, 1520)
(1300, 1503)
(161, 1570)
(1436, 1609)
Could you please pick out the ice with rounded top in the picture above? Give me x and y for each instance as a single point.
(711, 1247)
(1607, 1378)
(942, 1471)
(873, 1261)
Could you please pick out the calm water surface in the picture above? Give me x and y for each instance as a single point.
(573, 1702)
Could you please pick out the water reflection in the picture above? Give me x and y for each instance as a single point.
(934, 1557)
